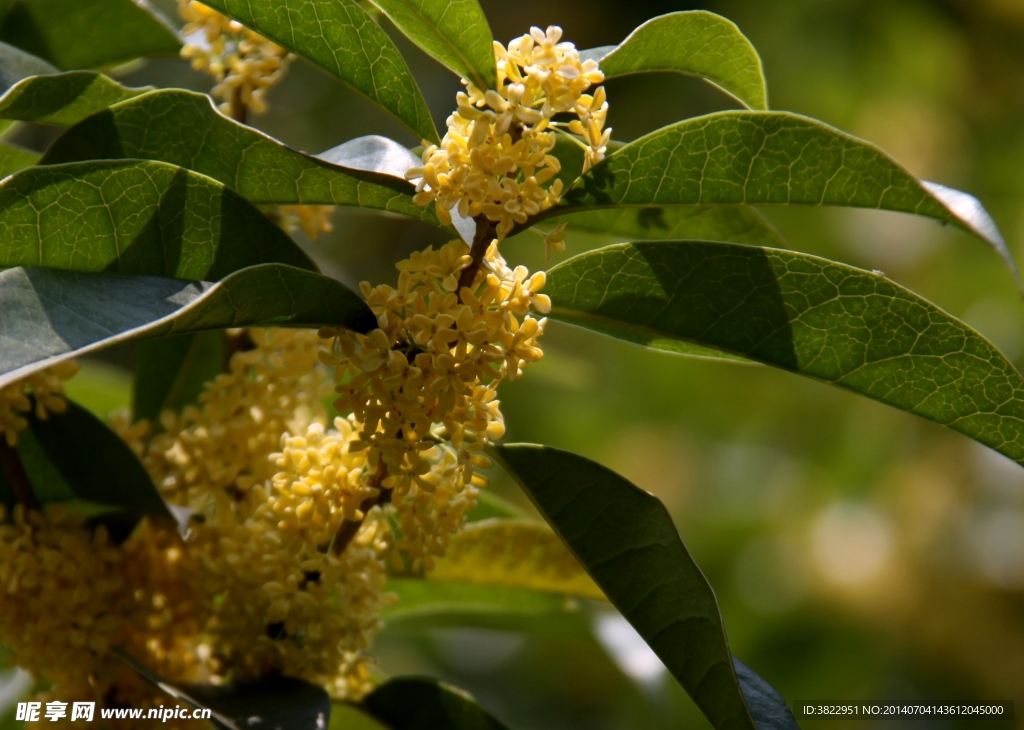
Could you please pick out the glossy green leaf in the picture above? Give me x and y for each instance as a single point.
(418, 598)
(735, 223)
(64, 98)
(184, 129)
(454, 32)
(421, 703)
(14, 158)
(134, 217)
(170, 371)
(768, 158)
(273, 703)
(841, 325)
(513, 553)
(695, 43)
(626, 540)
(86, 454)
(52, 315)
(341, 38)
(16, 64)
(76, 34)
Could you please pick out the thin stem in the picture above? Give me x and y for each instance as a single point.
(239, 110)
(235, 343)
(349, 528)
(22, 487)
(573, 137)
(485, 233)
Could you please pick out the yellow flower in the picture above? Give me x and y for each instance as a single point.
(244, 63)
(47, 389)
(495, 158)
(422, 387)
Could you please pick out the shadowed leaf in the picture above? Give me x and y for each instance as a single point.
(627, 542)
(768, 158)
(52, 315)
(828, 321)
(274, 703)
(16, 64)
(341, 38)
(420, 703)
(63, 98)
(695, 43)
(74, 34)
(735, 223)
(135, 217)
(453, 32)
(184, 129)
(87, 455)
(170, 371)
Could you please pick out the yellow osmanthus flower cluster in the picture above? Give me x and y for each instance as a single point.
(281, 600)
(495, 159)
(244, 63)
(69, 597)
(423, 386)
(219, 450)
(45, 386)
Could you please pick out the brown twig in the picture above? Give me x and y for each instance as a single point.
(349, 528)
(485, 233)
(239, 110)
(16, 475)
(233, 343)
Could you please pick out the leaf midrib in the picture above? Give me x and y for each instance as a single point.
(477, 79)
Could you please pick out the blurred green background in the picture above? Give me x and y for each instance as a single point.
(859, 554)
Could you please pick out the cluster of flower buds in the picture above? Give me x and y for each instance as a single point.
(45, 387)
(423, 386)
(244, 63)
(495, 159)
(272, 485)
(71, 596)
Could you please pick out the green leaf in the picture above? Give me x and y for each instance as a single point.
(348, 717)
(421, 703)
(274, 703)
(170, 371)
(184, 129)
(64, 98)
(16, 65)
(14, 158)
(134, 217)
(418, 598)
(735, 223)
(52, 315)
(490, 505)
(513, 553)
(828, 321)
(97, 466)
(100, 387)
(768, 158)
(626, 540)
(341, 38)
(75, 34)
(454, 32)
(695, 43)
